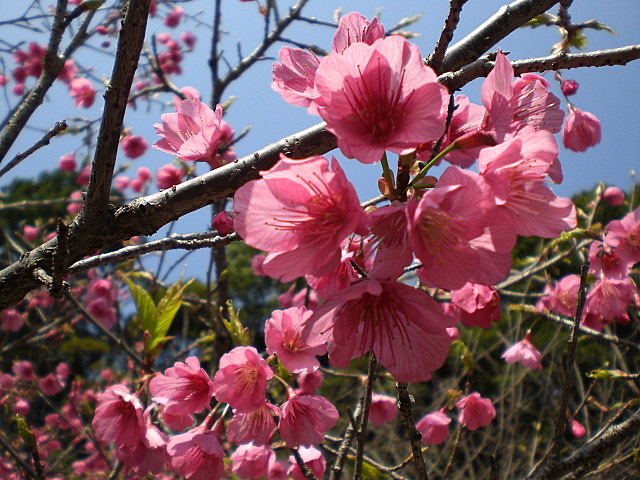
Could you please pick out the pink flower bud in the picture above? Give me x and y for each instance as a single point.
(102, 30)
(133, 145)
(188, 38)
(581, 130)
(173, 19)
(136, 185)
(67, 162)
(223, 222)
(163, 38)
(30, 233)
(121, 183)
(75, 205)
(11, 320)
(569, 87)
(577, 429)
(613, 196)
(168, 176)
(144, 174)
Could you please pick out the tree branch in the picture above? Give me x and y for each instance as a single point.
(451, 22)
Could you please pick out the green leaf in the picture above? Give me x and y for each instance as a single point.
(146, 307)
(167, 308)
(578, 39)
(544, 19)
(239, 334)
(596, 25)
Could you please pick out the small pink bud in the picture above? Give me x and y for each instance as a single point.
(188, 38)
(75, 205)
(136, 185)
(577, 429)
(67, 162)
(581, 130)
(613, 196)
(173, 19)
(144, 174)
(569, 87)
(223, 222)
(30, 233)
(163, 38)
(133, 145)
(102, 30)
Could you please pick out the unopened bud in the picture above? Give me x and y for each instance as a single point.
(223, 222)
(569, 87)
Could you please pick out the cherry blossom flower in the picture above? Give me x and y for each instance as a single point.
(256, 427)
(312, 457)
(241, 380)
(569, 87)
(383, 409)
(299, 212)
(293, 78)
(172, 20)
(67, 162)
(11, 320)
(194, 133)
(84, 175)
(283, 337)
(168, 175)
(475, 411)
(252, 461)
(21, 407)
(309, 382)
(353, 28)
(305, 419)
(523, 352)
(390, 239)
(305, 297)
(184, 388)
(613, 196)
(23, 369)
(608, 300)
(404, 327)
(223, 222)
(442, 224)
(581, 130)
(475, 305)
(133, 146)
(50, 385)
(197, 454)
(149, 454)
(624, 236)
(379, 97)
(118, 417)
(82, 92)
(121, 183)
(605, 261)
(434, 428)
(564, 296)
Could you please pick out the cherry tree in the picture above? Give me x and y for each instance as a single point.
(498, 319)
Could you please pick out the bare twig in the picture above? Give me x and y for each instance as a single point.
(451, 22)
(364, 416)
(406, 412)
(306, 471)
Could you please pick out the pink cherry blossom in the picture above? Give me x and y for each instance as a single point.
(434, 428)
(476, 305)
(379, 97)
(118, 417)
(241, 380)
(223, 222)
(609, 299)
(569, 87)
(252, 461)
(67, 162)
(605, 261)
(624, 236)
(283, 337)
(517, 170)
(390, 239)
(121, 183)
(309, 382)
(189, 39)
(404, 327)
(21, 407)
(82, 92)
(293, 78)
(613, 196)
(577, 429)
(133, 146)
(353, 28)
(11, 320)
(256, 427)
(442, 224)
(50, 385)
(84, 175)
(581, 130)
(305, 419)
(299, 212)
(172, 20)
(23, 369)
(168, 175)
(197, 454)
(564, 296)
(475, 411)
(184, 388)
(149, 454)
(312, 457)
(194, 133)
(305, 297)
(523, 352)
(383, 409)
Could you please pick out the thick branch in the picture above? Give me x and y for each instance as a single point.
(497, 27)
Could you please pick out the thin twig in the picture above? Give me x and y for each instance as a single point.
(451, 22)
(364, 416)
(406, 412)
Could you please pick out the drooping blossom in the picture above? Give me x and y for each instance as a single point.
(523, 352)
(67, 162)
(383, 409)
(148, 455)
(305, 419)
(613, 196)
(133, 146)
(404, 327)
(82, 92)
(168, 175)
(50, 385)
(309, 382)
(569, 87)
(475, 411)
(379, 97)
(118, 417)
(517, 171)
(184, 388)
(194, 133)
(563, 298)
(312, 457)
(434, 428)
(197, 454)
(624, 236)
(442, 224)
(577, 429)
(581, 130)
(256, 426)
(608, 300)
(390, 239)
(283, 337)
(252, 461)
(172, 20)
(223, 222)
(475, 305)
(299, 212)
(241, 380)
(11, 320)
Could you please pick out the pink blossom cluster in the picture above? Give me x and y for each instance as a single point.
(184, 392)
(612, 290)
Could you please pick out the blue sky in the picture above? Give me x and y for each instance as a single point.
(611, 93)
